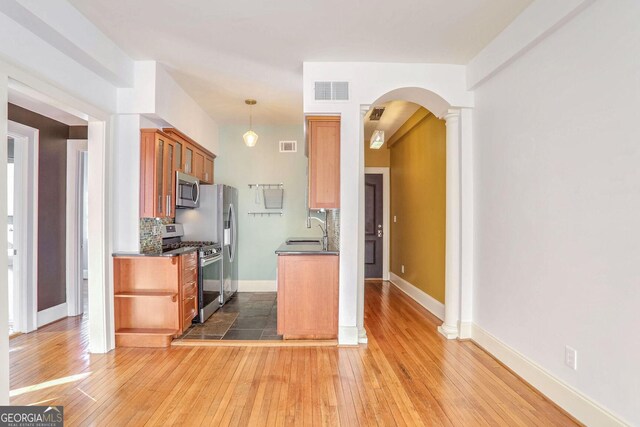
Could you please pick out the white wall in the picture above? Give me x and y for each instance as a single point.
(369, 83)
(557, 202)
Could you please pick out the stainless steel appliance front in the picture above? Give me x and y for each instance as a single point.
(209, 284)
(187, 191)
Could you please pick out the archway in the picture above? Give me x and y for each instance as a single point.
(442, 109)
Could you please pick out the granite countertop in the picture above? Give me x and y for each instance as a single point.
(169, 254)
(305, 248)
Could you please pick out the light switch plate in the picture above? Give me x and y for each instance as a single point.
(571, 357)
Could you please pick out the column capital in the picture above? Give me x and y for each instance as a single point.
(364, 109)
(451, 114)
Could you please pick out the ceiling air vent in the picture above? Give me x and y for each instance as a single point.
(376, 113)
(332, 91)
(288, 146)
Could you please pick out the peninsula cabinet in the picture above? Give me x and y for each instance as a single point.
(157, 174)
(323, 139)
(155, 298)
(308, 296)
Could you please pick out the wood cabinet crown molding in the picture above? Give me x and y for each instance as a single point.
(175, 133)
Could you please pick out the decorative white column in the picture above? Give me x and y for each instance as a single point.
(452, 241)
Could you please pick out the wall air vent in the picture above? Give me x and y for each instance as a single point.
(376, 113)
(332, 91)
(288, 146)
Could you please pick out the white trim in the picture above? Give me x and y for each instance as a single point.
(465, 329)
(4, 279)
(348, 335)
(28, 258)
(52, 314)
(571, 400)
(419, 296)
(75, 147)
(386, 213)
(257, 286)
(100, 304)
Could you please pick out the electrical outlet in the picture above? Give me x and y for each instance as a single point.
(156, 229)
(395, 219)
(571, 357)
(402, 268)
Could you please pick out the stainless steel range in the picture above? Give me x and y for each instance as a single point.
(210, 280)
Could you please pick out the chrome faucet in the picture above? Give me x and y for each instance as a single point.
(325, 235)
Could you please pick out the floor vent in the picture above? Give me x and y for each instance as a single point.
(332, 91)
(288, 146)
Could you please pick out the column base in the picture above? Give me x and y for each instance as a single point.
(362, 336)
(449, 332)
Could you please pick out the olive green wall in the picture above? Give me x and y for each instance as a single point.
(418, 162)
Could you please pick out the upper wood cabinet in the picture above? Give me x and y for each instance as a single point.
(194, 159)
(198, 165)
(157, 174)
(208, 171)
(323, 138)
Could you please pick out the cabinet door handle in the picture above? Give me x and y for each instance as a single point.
(160, 203)
(168, 205)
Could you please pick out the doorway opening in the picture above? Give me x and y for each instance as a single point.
(405, 201)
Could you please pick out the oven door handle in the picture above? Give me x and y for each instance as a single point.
(209, 261)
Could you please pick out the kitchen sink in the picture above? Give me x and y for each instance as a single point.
(303, 242)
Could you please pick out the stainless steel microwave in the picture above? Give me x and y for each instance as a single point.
(187, 191)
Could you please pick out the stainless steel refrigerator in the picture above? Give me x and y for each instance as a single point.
(227, 207)
(217, 220)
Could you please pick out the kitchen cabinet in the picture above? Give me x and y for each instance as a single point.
(188, 159)
(198, 165)
(188, 289)
(155, 298)
(323, 139)
(157, 174)
(195, 159)
(208, 170)
(308, 296)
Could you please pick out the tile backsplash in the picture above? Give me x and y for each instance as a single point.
(151, 234)
(333, 228)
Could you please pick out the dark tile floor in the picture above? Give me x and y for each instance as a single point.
(248, 316)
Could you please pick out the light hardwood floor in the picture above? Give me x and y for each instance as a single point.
(406, 375)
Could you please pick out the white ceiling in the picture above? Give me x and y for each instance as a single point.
(223, 52)
(396, 113)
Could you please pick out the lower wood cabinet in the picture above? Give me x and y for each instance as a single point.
(155, 298)
(308, 296)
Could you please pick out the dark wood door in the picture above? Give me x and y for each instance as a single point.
(373, 226)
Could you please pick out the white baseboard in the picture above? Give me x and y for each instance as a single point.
(575, 403)
(465, 330)
(422, 298)
(348, 335)
(362, 336)
(52, 314)
(257, 286)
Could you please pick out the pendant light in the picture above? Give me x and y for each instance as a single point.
(250, 137)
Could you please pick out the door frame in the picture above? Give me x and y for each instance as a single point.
(26, 201)
(386, 216)
(75, 148)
